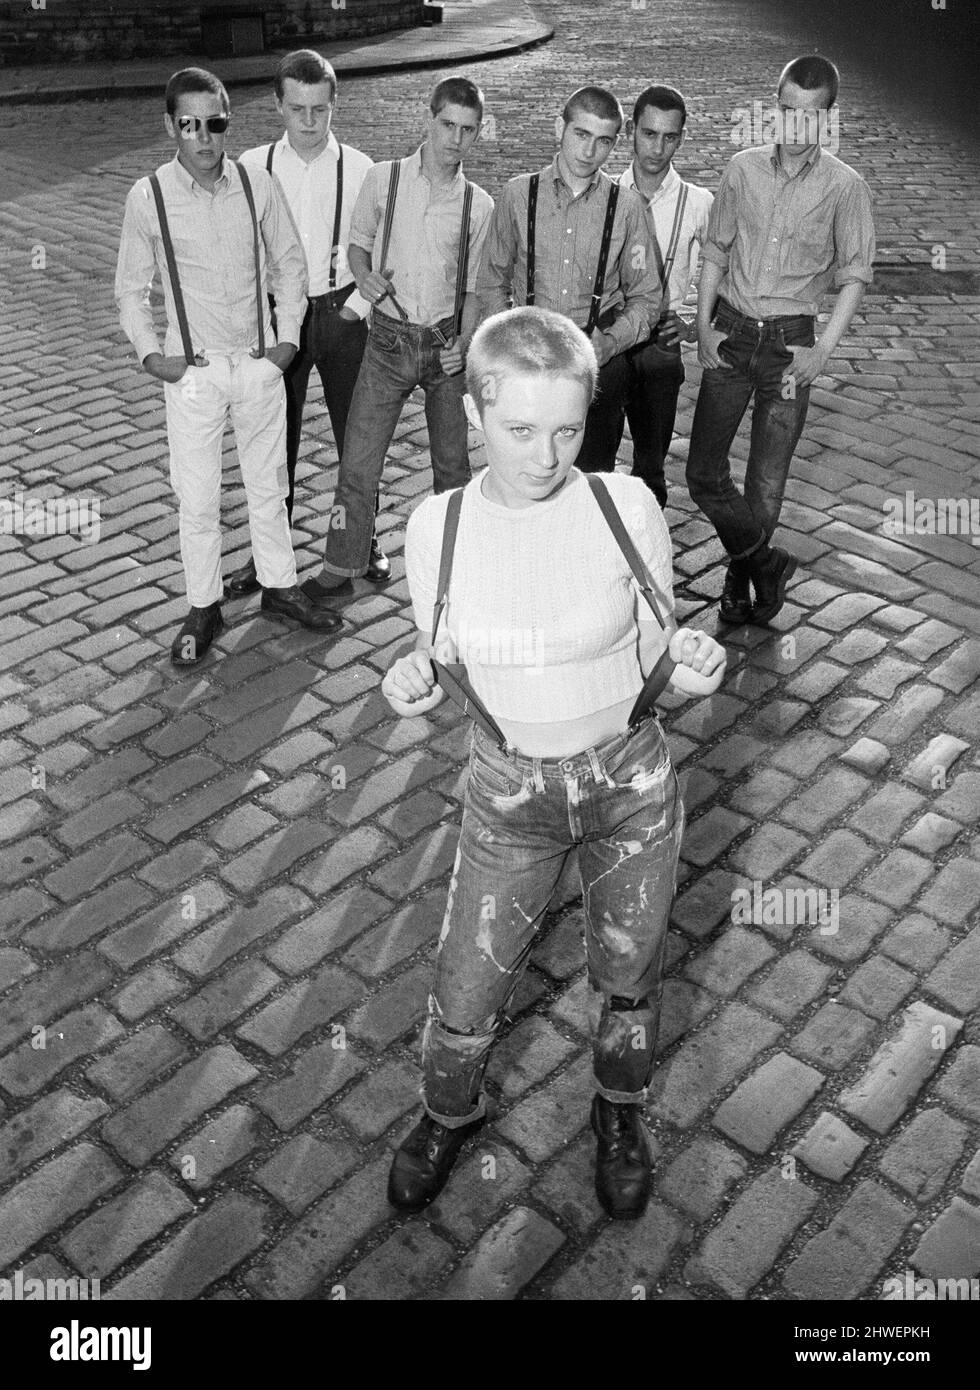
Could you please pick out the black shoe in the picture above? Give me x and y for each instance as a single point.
(622, 1168)
(379, 566)
(770, 575)
(736, 601)
(201, 627)
(242, 581)
(293, 603)
(423, 1162)
(321, 596)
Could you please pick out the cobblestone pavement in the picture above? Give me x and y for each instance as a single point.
(225, 886)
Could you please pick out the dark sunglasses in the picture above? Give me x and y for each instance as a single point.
(190, 125)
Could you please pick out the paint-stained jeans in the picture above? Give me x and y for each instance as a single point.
(619, 805)
(756, 354)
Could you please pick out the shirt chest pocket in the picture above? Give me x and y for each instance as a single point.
(813, 237)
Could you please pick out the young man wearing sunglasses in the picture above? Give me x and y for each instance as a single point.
(416, 238)
(221, 239)
(320, 180)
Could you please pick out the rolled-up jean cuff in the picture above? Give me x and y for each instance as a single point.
(621, 1097)
(335, 571)
(457, 1121)
(747, 554)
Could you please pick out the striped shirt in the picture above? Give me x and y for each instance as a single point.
(567, 242)
(663, 208)
(424, 248)
(782, 241)
(213, 246)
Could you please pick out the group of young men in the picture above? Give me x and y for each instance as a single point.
(306, 254)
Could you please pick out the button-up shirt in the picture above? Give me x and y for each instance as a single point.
(310, 190)
(783, 240)
(214, 251)
(694, 224)
(567, 241)
(423, 253)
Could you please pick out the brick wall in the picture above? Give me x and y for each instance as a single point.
(39, 31)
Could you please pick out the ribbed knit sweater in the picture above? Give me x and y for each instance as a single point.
(542, 606)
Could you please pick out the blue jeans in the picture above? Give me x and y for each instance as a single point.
(619, 804)
(398, 357)
(757, 354)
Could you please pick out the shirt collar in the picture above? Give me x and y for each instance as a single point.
(811, 161)
(417, 169)
(556, 175)
(670, 184)
(189, 183)
(332, 148)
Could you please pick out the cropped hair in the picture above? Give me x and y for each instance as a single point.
(664, 99)
(594, 101)
(190, 80)
(812, 71)
(456, 91)
(306, 66)
(527, 341)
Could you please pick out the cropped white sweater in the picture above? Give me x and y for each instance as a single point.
(542, 606)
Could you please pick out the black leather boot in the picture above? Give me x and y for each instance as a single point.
(423, 1162)
(293, 603)
(379, 566)
(772, 569)
(622, 1168)
(242, 581)
(201, 627)
(736, 601)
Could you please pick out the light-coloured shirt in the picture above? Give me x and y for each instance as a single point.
(694, 225)
(782, 241)
(213, 246)
(566, 248)
(310, 190)
(423, 252)
(543, 636)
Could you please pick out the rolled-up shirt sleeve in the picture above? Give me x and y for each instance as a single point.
(722, 221)
(367, 210)
(854, 235)
(135, 270)
(286, 271)
(494, 281)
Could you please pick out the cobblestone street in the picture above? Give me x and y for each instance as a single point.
(223, 889)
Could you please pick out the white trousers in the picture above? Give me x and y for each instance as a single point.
(250, 391)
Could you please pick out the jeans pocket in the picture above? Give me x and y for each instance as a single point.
(496, 779)
(642, 763)
(383, 339)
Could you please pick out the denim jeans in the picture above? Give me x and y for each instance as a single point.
(335, 347)
(398, 357)
(619, 805)
(656, 375)
(757, 354)
(604, 422)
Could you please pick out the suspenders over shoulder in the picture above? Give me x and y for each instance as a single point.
(675, 236)
(453, 678)
(600, 275)
(171, 259)
(338, 205)
(463, 256)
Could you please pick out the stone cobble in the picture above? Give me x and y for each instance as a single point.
(223, 888)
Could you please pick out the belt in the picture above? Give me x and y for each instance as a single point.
(317, 301)
(760, 323)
